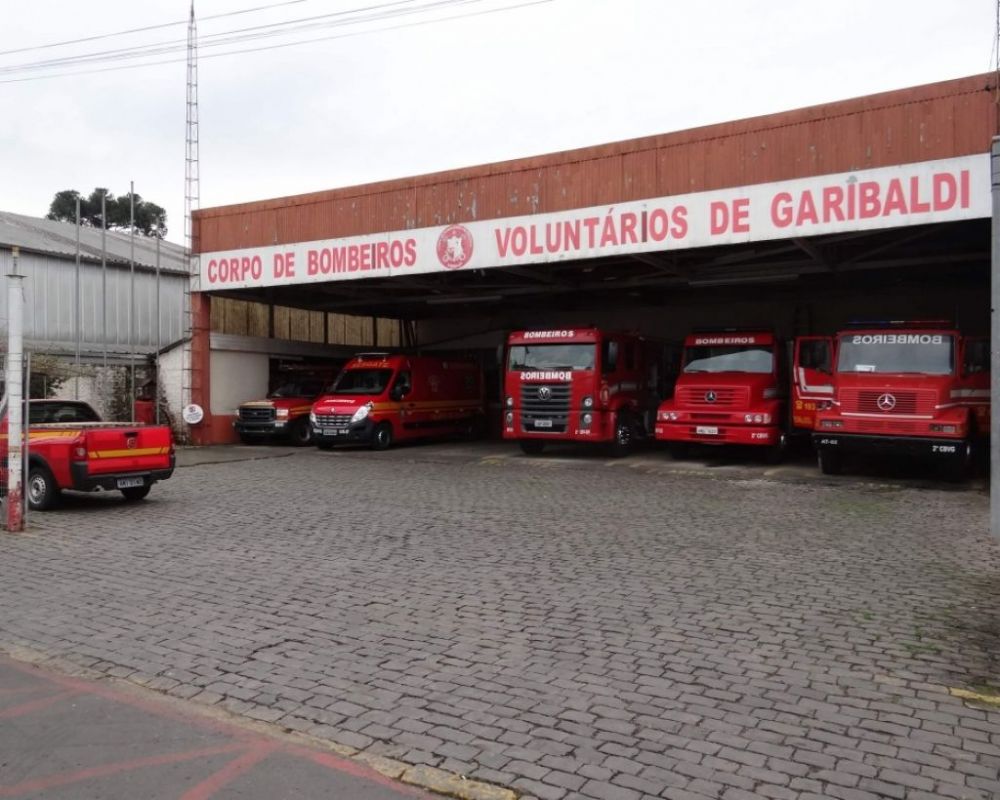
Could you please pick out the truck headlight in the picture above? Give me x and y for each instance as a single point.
(510, 417)
(674, 416)
(281, 413)
(586, 419)
(312, 417)
(748, 417)
(362, 412)
(758, 418)
(588, 402)
(509, 401)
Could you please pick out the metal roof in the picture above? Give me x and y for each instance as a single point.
(59, 239)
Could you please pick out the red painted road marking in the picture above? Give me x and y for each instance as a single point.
(208, 787)
(37, 705)
(104, 770)
(354, 768)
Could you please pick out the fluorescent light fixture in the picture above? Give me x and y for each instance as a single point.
(748, 279)
(476, 298)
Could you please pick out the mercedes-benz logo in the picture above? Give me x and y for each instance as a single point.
(544, 393)
(710, 397)
(886, 402)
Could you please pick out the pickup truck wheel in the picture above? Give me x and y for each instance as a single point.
(830, 463)
(136, 493)
(301, 433)
(621, 445)
(42, 491)
(531, 447)
(382, 437)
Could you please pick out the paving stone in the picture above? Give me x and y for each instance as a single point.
(701, 636)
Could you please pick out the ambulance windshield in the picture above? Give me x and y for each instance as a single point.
(913, 353)
(362, 381)
(552, 356)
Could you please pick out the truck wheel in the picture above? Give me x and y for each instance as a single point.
(382, 437)
(531, 447)
(621, 445)
(301, 433)
(830, 463)
(136, 493)
(776, 452)
(959, 470)
(679, 450)
(43, 493)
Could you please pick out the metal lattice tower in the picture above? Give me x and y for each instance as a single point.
(192, 199)
(192, 183)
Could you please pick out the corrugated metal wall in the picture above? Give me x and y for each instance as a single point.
(49, 320)
(941, 120)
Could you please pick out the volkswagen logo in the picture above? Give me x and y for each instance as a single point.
(710, 397)
(886, 402)
(544, 393)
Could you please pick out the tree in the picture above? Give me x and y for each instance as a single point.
(150, 219)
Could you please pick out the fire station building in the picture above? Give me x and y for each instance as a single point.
(873, 208)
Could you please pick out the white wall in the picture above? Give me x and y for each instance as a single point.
(172, 385)
(236, 378)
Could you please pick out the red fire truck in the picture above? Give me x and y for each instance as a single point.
(70, 448)
(283, 415)
(730, 391)
(919, 389)
(379, 398)
(580, 385)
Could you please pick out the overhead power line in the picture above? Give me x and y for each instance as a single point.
(401, 26)
(147, 28)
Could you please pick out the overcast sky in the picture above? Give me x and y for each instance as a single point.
(390, 103)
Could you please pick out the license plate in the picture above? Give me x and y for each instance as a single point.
(543, 423)
(335, 431)
(707, 430)
(130, 483)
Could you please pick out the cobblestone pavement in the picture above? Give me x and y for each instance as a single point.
(563, 627)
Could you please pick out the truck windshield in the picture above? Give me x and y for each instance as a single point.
(287, 390)
(362, 381)
(755, 358)
(917, 353)
(552, 356)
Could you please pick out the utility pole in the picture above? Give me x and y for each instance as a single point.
(15, 397)
(995, 338)
(131, 299)
(192, 199)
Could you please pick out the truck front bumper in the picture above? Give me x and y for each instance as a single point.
(84, 481)
(915, 446)
(352, 433)
(724, 433)
(262, 429)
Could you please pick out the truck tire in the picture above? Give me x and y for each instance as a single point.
(624, 435)
(830, 463)
(960, 469)
(531, 447)
(42, 491)
(136, 493)
(382, 436)
(776, 452)
(300, 433)
(679, 450)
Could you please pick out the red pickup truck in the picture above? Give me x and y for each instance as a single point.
(70, 448)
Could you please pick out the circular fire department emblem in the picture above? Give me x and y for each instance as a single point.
(131, 443)
(454, 247)
(886, 402)
(710, 397)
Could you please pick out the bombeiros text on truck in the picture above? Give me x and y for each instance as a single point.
(731, 390)
(913, 388)
(70, 448)
(379, 398)
(580, 385)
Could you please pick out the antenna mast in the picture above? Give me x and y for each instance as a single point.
(192, 183)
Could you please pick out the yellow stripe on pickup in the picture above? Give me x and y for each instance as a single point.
(139, 451)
